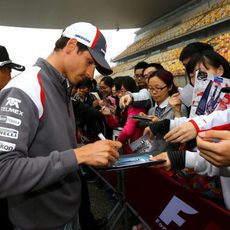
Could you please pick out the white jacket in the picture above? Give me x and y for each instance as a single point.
(142, 95)
(218, 120)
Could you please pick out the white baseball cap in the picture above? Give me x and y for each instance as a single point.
(90, 36)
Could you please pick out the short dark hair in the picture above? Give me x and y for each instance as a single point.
(156, 65)
(167, 77)
(85, 82)
(118, 82)
(216, 60)
(196, 58)
(140, 65)
(208, 57)
(193, 48)
(108, 81)
(62, 41)
(129, 84)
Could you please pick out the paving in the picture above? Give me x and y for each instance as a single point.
(103, 200)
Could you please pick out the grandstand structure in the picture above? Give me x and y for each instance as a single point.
(162, 40)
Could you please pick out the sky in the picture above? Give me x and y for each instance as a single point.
(25, 45)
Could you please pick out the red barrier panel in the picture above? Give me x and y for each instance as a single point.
(164, 204)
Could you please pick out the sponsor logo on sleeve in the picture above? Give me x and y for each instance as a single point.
(10, 133)
(11, 110)
(12, 106)
(10, 120)
(13, 102)
(6, 146)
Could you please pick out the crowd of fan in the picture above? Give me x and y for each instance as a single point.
(195, 150)
(153, 93)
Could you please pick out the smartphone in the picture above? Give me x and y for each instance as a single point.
(141, 118)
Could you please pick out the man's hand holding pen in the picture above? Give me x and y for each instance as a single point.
(99, 153)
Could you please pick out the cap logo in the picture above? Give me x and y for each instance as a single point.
(103, 51)
(79, 36)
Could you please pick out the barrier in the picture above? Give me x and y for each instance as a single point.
(164, 204)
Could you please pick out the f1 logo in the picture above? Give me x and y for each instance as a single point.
(170, 213)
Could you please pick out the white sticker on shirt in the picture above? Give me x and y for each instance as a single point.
(6, 146)
(10, 120)
(10, 133)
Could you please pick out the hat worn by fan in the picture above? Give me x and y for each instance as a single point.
(6, 62)
(90, 36)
